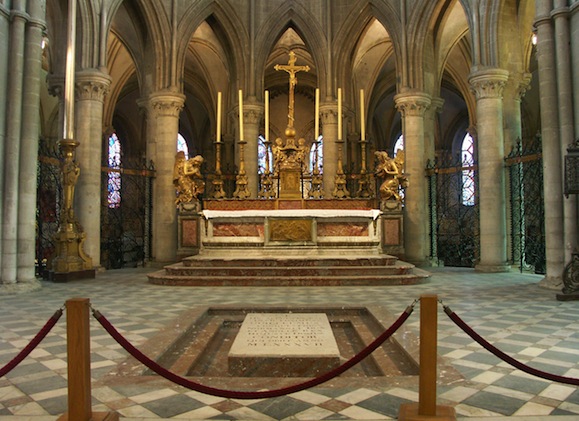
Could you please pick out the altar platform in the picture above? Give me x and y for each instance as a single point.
(289, 243)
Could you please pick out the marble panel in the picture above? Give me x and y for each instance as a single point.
(238, 229)
(342, 229)
(392, 232)
(189, 233)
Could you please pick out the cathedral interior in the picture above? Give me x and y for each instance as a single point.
(295, 108)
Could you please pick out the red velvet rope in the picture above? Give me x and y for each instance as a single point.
(32, 344)
(507, 358)
(232, 394)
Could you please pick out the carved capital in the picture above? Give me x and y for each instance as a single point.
(488, 83)
(168, 104)
(412, 103)
(92, 85)
(524, 85)
(328, 114)
(252, 114)
(56, 85)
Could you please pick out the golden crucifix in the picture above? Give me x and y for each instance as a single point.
(292, 69)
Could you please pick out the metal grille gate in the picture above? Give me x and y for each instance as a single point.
(126, 226)
(454, 216)
(527, 211)
(49, 192)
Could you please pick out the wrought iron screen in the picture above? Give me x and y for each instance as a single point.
(48, 197)
(525, 166)
(454, 212)
(126, 226)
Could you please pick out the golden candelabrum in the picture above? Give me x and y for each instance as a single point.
(218, 192)
(364, 184)
(266, 191)
(241, 191)
(340, 189)
(70, 256)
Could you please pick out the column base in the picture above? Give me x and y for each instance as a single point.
(481, 267)
(96, 416)
(409, 412)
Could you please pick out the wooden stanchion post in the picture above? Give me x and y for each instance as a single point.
(78, 363)
(426, 409)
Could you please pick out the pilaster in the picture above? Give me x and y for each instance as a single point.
(488, 86)
(91, 87)
(413, 106)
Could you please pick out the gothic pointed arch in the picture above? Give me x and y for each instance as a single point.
(292, 15)
(229, 29)
(347, 38)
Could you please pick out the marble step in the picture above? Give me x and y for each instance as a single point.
(296, 261)
(417, 276)
(287, 271)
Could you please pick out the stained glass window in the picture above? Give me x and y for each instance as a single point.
(182, 145)
(468, 181)
(114, 162)
(399, 144)
(317, 155)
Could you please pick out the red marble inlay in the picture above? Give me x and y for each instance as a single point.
(189, 236)
(353, 204)
(290, 204)
(233, 204)
(238, 229)
(391, 232)
(342, 229)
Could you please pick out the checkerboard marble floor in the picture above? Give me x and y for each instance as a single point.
(509, 310)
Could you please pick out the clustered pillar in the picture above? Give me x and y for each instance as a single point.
(21, 29)
(556, 91)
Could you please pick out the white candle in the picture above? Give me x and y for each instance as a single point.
(339, 113)
(266, 115)
(362, 120)
(218, 135)
(317, 115)
(240, 115)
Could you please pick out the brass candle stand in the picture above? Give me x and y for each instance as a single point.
(218, 192)
(266, 191)
(70, 261)
(241, 191)
(340, 189)
(364, 184)
(316, 189)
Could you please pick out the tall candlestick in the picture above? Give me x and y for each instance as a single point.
(266, 115)
(317, 116)
(68, 129)
(218, 135)
(339, 113)
(240, 115)
(362, 118)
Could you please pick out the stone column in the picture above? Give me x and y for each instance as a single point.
(163, 110)
(4, 59)
(11, 154)
(91, 87)
(29, 142)
(329, 129)
(565, 93)
(252, 116)
(488, 85)
(413, 106)
(552, 175)
(574, 36)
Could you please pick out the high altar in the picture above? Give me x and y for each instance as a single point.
(282, 221)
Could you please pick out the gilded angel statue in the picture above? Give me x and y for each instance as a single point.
(391, 169)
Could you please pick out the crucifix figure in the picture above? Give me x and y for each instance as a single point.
(292, 69)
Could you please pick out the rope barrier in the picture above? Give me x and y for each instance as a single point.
(506, 358)
(237, 394)
(32, 344)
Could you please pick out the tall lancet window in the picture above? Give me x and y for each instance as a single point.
(182, 145)
(317, 156)
(114, 163)
(468, 181)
